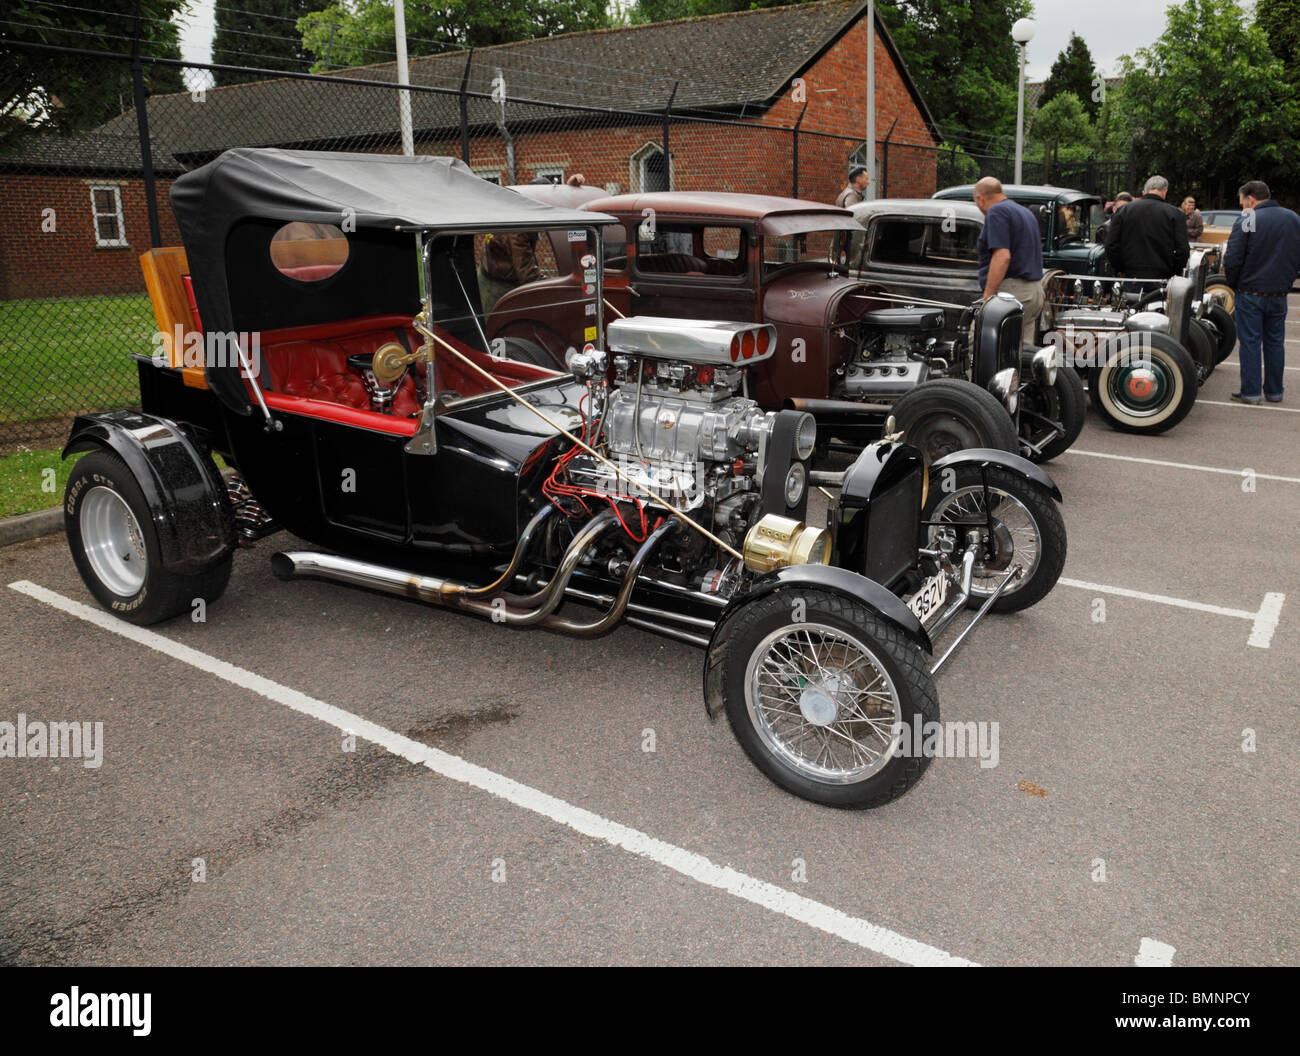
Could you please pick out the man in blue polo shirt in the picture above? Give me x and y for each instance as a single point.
(1010, 253)
(1261, 262)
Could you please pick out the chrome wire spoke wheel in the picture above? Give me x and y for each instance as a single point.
(823, 703)
(113, 542)
(1016, 542)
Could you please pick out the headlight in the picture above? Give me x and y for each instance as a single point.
(805, 438)
(1045, 366)
(1004, 386)
(775, 542)
(794, 484)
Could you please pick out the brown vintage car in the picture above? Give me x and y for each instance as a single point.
(759, 258)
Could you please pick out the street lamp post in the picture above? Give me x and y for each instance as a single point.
(872, 189)
(1022, 33)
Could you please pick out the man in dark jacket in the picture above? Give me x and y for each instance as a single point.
(1261, 262)
(1147, 239)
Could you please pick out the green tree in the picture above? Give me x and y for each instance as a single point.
(1073, 71)
(1280, 21)
(261, 33)
(1209, 104)
(52, 92)
(666, 10)
(962, 57)
(359, 32)
(1061, 122)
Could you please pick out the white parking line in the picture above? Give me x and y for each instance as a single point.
(695, 866)
(1152, 953)
(1264, 620)
(1182, 465)
(1251, 406)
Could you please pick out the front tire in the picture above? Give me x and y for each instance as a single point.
(1203, 345)
(115, 546)
(1146, 382)
(1064, 402)
(815, 686)
(949, 415)
(1221, 293)
(1225, 331)
(1028, 531)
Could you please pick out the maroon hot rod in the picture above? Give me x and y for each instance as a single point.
(756, 258)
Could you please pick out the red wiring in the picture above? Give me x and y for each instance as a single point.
(557, 491)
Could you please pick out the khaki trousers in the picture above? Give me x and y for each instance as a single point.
(1029, 293)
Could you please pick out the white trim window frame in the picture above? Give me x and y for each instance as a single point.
(492, 175)
(113, 212)
(554, 173)
(638, 174)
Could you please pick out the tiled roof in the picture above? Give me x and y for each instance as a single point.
(731, 64)
(89, 152)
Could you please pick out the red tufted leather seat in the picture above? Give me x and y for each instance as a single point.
(315, 370)
(311, 362)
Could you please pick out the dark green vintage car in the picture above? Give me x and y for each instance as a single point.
(1067, 219)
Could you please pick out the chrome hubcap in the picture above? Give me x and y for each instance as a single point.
(822, 702)
(113, 542)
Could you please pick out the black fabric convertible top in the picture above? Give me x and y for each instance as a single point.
(381, 200)
(380, 190)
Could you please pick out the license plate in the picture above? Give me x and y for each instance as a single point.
(930, 598)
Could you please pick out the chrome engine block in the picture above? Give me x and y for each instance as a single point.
(680, 427)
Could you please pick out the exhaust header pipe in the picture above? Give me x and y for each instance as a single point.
(536, 610)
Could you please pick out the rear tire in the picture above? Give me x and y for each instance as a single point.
(1149, 402)
(814, 695)
(1064, 402)
(115, 546)
(949, 415)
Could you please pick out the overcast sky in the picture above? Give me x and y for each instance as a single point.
(1111, 27)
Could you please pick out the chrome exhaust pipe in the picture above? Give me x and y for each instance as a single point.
(619, 607)
(444, 593)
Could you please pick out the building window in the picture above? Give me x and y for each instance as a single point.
(649, 170)
(551, 173)
(106, 209)
(491, 175)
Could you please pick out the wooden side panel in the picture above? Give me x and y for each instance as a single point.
(164, 271)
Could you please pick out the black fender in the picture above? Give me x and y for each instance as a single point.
(985, 456)
(880, 600)
(186, 495)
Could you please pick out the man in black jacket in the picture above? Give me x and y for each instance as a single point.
(1261, 262)
(1147, 239)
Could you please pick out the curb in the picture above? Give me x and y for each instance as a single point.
(31, 525)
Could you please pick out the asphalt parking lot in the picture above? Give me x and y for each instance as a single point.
(230, 824)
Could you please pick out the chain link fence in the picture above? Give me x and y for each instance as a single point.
(78, 210)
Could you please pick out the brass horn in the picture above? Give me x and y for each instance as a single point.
(391, 360)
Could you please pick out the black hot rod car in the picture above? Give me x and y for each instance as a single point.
(322, 333)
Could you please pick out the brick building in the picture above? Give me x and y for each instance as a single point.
(723, 93)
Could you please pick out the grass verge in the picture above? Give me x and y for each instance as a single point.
(63, 355)
(32, 480)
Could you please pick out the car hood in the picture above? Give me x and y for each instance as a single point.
(806, 296)
(1088, 259)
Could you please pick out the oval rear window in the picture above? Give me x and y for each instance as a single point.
(308, 252)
